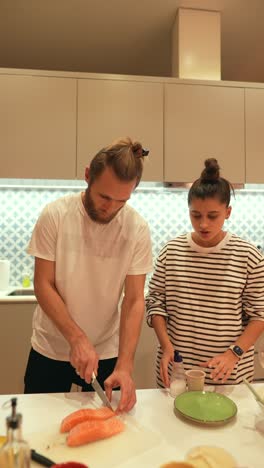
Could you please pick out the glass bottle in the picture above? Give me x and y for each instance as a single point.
(15, 452)
(177, 380)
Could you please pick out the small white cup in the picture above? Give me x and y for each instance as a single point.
(195, 380)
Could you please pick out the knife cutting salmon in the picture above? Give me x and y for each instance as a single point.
(100, 392)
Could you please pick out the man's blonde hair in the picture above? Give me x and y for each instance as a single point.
(123, 156)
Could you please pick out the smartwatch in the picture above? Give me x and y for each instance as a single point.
(237, 350)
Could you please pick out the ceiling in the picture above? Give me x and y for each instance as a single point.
(123, 36)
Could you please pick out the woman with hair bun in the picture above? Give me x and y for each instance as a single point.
(206, 295)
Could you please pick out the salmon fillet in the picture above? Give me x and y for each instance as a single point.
(90, 431)
(85, 414)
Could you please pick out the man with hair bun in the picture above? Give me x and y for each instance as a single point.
(206, 296)
(92, 252)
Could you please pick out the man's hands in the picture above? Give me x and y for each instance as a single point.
(122, 379)
(222, 365)
(83, 358)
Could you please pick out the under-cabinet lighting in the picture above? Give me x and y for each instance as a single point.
(144, 186)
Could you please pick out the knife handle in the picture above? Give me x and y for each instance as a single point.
(44, 461)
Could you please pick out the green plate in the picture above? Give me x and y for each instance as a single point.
(205, 407)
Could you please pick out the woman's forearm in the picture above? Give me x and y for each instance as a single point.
(159, 325)
(250, 334)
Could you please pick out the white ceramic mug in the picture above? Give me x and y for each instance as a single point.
(195, 379)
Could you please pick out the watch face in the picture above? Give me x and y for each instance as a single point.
(238, 350)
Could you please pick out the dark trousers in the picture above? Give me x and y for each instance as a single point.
(45, 375)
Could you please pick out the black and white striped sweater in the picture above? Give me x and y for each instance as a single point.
(207, 296)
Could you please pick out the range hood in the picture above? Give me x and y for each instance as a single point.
(196, 45)
(196, 54)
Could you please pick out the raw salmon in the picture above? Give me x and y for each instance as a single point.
(90, 431)
(85, 414)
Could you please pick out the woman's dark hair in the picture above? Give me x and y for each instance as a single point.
(210, 184)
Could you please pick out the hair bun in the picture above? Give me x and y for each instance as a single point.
(137, 150)
(211, 173)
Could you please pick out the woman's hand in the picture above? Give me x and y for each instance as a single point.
(167, 357)
(222, 365)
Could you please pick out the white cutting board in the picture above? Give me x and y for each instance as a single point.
(110, 453)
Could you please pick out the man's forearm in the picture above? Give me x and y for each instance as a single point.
(130, 326)
(54, 307)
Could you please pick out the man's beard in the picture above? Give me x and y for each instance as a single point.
(92, 212)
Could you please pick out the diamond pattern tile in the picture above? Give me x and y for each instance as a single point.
(166, 212)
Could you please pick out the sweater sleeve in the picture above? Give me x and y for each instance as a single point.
(156, 297)
(253, 294)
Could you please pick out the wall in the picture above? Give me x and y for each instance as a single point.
(164, 209)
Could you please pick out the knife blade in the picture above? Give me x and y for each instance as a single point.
(98, 389)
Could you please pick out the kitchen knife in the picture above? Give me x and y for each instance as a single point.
(98, 389)
(37, 457)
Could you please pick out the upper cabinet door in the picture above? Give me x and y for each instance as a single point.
(37, 127)
(203, 122)
(110, 109)
(254, 136)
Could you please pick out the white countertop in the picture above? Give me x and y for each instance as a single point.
(153, 435)
(4, 297)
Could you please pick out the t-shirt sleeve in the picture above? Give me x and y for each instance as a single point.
(142, 258)
(253, 294)
(43, 240)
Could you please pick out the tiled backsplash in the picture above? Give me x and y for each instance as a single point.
(165, 210)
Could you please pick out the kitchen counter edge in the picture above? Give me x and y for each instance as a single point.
(18, 299)
(23, 298)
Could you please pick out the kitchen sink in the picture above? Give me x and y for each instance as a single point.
(22, 292)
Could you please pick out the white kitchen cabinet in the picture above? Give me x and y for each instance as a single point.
(53, 123)
(15, 334)
(109, 109)
(254, 113)
(200, 122)
(37, 127)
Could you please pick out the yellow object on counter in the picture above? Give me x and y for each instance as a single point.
(210, 457)
(204, 457)
(2, 440)
(26, 281)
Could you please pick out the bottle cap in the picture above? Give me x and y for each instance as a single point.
(14, 421)
(177, 356)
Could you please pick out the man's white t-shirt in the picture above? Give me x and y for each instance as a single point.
(92, 262)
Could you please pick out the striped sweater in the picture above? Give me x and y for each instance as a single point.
(207, 295)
